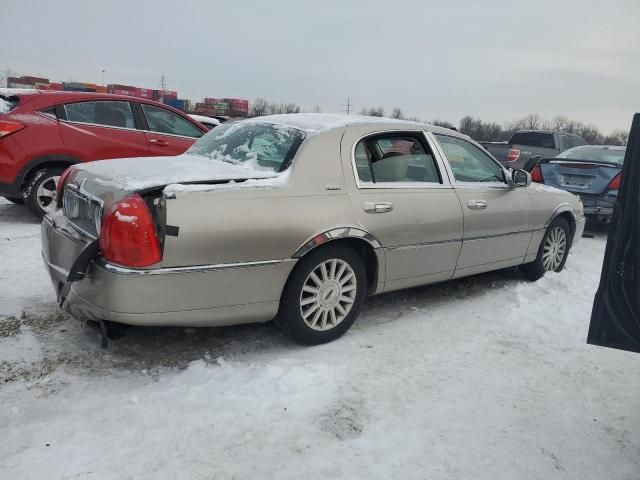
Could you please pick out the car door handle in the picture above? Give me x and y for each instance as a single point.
(477, 204)
(160, 143)
(377, 207)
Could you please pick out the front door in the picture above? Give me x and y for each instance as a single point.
(497, 217)
(168, 133)
(403, 197)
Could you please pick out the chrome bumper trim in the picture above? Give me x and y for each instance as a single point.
(181, 270)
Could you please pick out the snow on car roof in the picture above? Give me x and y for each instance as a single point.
(314, 123)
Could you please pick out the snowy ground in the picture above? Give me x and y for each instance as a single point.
(483, 378)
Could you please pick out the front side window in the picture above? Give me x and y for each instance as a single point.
(255, 144)
(468, 162)
(395, 158)
(165, 121)
(107, 113)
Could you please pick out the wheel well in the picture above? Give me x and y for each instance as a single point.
(571, 221)
(366, 252)
(28, 174)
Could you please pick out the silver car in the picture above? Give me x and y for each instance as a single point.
(297, 218)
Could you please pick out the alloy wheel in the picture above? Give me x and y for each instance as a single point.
(328, 294)
(555, 246)
(46, 194)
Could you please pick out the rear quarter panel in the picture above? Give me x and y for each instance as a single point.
(232, 224)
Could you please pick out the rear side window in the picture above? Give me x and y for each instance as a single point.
(107, 113)
(165, 121)
(533, 139)
(395, 158)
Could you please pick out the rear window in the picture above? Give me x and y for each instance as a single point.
(595, 154)
(107, 113)
(8, 103)
(251, 143)
(534, 139)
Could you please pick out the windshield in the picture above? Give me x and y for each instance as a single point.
(595, 154)
(254, 144)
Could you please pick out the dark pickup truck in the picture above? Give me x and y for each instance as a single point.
(525, 144)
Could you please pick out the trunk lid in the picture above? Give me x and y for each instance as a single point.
(112, 178)
(94, 187)
(578, 176)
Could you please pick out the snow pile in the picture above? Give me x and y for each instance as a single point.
(483, 378)
(271, 182)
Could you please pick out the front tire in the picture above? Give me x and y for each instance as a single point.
(553, 250)
(323, 295)
(40, 193)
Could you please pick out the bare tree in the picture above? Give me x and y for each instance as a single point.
(372, 112)
(317, 109)
(397, 113)
(259, 107)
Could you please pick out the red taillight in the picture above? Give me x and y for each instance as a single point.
(513, 155)
(128, 236)
(614, 184)
(7, 127)
(536, 174)
(60, 186)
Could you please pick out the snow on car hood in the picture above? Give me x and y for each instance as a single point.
(144, 173)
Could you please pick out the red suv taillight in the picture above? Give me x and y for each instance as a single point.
(7, 127)
(60, 186)
(536, 174)
(513, 155)
(128, 236)
(614, 184)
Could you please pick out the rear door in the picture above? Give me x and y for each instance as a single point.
(403, 197)
(167, 132)
(100, 129)
(497, 217)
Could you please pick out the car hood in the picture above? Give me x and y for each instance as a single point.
(128, 175)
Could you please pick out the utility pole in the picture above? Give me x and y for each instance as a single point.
(163, 87)
(348, 106)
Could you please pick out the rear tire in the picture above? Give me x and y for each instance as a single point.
(40, 193)
(553, 250)
(323, 295)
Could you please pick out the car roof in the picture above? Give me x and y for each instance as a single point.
(61, 95)
(314, 123)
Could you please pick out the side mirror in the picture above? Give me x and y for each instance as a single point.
(520, 178)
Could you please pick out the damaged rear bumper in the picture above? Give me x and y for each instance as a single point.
(209, 295)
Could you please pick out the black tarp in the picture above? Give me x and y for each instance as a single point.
(615, 318)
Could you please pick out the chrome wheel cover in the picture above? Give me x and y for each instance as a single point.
(555, 247)
(328, 294)
(46, 194)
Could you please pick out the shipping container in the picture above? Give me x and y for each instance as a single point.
(33, 80)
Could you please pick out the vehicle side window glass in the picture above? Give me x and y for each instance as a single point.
(165, 121)
(395, 158)
(566, 143)
(468, 162)
(108, 113)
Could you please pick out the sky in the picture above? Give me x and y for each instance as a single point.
(494, 59)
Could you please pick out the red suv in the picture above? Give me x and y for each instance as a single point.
(44, 132)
